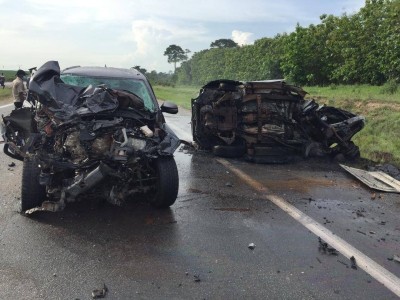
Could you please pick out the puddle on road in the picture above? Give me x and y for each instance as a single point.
(303, 184)
(234, 209)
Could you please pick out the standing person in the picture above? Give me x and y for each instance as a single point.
(18, 89)
(2, 80)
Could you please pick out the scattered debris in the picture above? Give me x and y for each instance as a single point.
(373, 196)
(11, 165)
(324, 248)
(196, 278)
(343, 263)
(376, 180)
(319, 260)
(359, 213)
(194, 191)
(100, 293)
(228, 184)
(372, 232)
(395, 258)
(353, 263)
(361, 232)
(309, 199)
(388, 169)
(252, 246)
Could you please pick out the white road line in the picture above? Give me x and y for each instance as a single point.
(388, 279)
(6, 105)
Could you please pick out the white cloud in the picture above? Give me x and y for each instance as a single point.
(151, 37)
(242, 38)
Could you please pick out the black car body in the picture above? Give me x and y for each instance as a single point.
(92, 132)
(269, 122)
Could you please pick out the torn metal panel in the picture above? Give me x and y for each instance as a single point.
(376, 180)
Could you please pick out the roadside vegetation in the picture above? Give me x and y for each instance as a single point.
(5, 95)
(9, 74)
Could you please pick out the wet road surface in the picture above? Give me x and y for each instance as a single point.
(198, 249)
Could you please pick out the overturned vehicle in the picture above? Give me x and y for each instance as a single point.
(92, 132)
(270, 122)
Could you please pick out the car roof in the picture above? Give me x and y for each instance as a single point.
(104, 72)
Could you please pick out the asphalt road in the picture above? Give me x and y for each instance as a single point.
(198, 249)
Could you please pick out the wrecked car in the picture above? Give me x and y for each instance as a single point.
(270, 122)
(92, 132)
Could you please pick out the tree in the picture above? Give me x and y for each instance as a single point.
(224, 43)
(176, 54)
(141, 70)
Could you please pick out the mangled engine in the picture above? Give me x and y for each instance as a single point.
(77, 156)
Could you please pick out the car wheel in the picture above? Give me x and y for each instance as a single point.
(167, 182)
(32, 193)
(229, 151)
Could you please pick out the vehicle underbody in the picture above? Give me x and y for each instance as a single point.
(269, 122)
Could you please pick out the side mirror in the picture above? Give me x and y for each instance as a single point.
(169, 107)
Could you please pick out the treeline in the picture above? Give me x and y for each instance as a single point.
(350, 49)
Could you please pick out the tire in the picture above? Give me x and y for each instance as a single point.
(32, 193)
(229, 151)
(167, 184)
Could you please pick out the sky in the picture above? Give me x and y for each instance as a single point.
(127, 33)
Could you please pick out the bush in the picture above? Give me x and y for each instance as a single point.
(390, 87)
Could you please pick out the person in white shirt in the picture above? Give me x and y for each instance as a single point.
(18, 89)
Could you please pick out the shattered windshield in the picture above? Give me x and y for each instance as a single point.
(138, 87)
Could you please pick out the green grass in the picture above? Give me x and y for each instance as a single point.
(378, 141)
(180, 95)
(10, 74)
(5, 95)
(354, 92)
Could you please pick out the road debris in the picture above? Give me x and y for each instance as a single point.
(11, 165)
(343, 263)
(353, 263)
(228, 184)
(388, 169)
(360, 212)
(395, 258)
(361, 232)
(324, 248)
(196, 278)
(100, 293)
(252, 246)
(376, 180)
